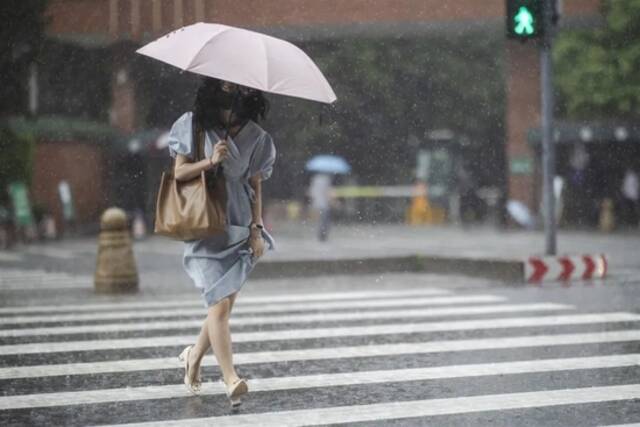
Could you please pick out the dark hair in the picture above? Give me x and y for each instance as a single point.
(206, 108)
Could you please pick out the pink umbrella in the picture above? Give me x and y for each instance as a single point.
(243, 57)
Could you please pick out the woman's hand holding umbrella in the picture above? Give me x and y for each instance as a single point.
(220, 152)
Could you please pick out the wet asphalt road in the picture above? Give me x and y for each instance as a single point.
(394, 349)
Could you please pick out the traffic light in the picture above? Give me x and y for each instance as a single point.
(525, 19)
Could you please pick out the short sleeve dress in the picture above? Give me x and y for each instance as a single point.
(220, 265)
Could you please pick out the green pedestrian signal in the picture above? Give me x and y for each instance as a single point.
(524, 22)
(525, 19)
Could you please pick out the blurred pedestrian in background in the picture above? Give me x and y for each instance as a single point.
(580, 202)
(320, 192)
(6, 228)
(630, 197)
(324, 167)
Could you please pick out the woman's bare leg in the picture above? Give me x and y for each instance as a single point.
(198, 351)
(202, 344)
(220, 338)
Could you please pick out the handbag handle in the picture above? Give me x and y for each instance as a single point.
(199, 145)
(198, 135)
(199, 142)
(211, 177)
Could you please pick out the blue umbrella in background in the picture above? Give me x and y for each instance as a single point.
(326, 163)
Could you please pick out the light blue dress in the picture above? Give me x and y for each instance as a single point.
(220, 265)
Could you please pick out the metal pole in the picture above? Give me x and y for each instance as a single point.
(548, 144)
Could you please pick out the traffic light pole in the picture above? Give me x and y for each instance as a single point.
(548, 144)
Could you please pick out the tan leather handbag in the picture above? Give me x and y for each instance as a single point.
(194, 209)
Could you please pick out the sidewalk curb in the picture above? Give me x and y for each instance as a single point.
(321, 267)
(489, 268)
(505, 270)
(512, 271)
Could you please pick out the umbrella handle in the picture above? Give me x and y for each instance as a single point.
(233, 104)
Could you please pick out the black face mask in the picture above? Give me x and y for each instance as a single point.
(225, 99)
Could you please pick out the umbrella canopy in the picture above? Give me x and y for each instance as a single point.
(243, 57)
(326, 163)
(521, 213)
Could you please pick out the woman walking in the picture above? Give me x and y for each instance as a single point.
(220, 265)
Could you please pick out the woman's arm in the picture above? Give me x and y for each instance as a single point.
(256, 207)
(184, 170)
(256, 240)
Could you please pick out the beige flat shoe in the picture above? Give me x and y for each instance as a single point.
(195, 386)
(236, 390)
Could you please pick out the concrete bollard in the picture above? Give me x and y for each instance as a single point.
(115, 267)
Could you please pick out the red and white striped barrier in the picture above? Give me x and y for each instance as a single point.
(565, 268)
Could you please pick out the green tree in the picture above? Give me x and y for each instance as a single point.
(597, 70)
(389, 89)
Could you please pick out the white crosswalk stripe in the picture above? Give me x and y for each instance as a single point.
(325, 380)
(288, 318)
(309, 333)
(127, 305)
(263, 308)
(51, 367)
(399, 410)
(624, 425)
(371, 350)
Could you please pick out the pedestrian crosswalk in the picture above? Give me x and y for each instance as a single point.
(412, 409)
(307, 297)
(425, 356)
(319, 333)
(263, 308)
(326, 380)
(178, 323)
